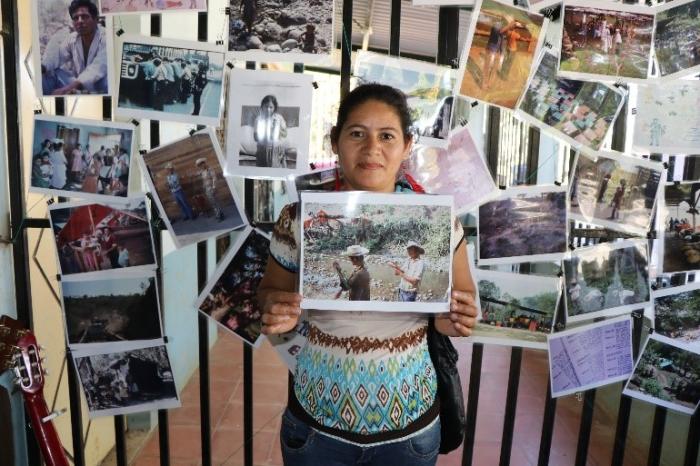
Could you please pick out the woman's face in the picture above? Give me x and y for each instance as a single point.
(371, 147)
(268, 108)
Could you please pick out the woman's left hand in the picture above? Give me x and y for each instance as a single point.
(461, 318)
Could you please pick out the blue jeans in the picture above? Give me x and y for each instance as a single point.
(407, 295)
(181, 200)
(303, 446)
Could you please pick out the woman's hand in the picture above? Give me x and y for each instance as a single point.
(461, 318)
(280, 312)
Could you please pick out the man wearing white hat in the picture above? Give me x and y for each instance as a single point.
(209, 184)
(357, 284)
(411, 272)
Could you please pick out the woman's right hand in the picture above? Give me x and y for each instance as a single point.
(281, 312)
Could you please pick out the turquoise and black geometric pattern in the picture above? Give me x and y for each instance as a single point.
(365, 396)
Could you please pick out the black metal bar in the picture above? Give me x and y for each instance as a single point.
(60, 105)
(448, 35)
(248, 405)
(693, 442)
(346, 49)
(155, 24)
(550, 411)
(106, 108)
(76, 417)
(492, 140)
(618, 136)
(516, 359)
(163, 437)
(657, 436)
(202, 26)
(120, 438)
(584, 433)
(472, 404)
(204, 387)
(395, 28)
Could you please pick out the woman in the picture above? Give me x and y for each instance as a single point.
(92, 175)
(270, 128)
(60, 166)
(364, 387)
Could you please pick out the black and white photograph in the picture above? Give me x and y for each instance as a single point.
(680, 221)
(119, 310)
(71, 48)
(428, 90)
(677, 38)
(590, 356)
(607, 279)
(298, 31)
(269, 118)
(580, 112)
(677, 314)
(667, 374)
(194, 198)
(615, 191)
(230, 297)
(102, 237)
(88, 159)
(523, 225)
(125, 382)
(515, 309)
(171, 80)
(123, 7)
(460, 171)
(358, 248)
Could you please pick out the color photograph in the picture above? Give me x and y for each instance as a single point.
(120, 309)
(578, 111)
(99, 237)
(667, 119)
(299, 31)
(606, 43)
(667, 374)
(71, 48)
(150, 6)
(606, 279)
(516, 309)
(500, 51)
(230, 298)
(127, 382)
(81, 158)
(681, 232)
(615, 191)
(677, 314)
(677, 38)
(194, 198)
(428, 89)
(459, 170)
(523, 225)
(376, 252)
(171, 80)
(269, 120)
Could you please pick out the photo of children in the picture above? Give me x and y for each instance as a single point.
(97, 237)
(81, 158)
(606, 42)
(615, 191)
(499, 53)
(380, 251)
(188, 184)
(677, 38)
(581, 112)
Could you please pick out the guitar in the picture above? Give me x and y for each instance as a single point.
(19, 351)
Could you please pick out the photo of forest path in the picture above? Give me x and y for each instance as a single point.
(523, 225)
(677, 316)
(383, 230)
(668, 373)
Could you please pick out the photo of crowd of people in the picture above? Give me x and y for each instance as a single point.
(84, 157)
(581, 111)
(95, 237)
(71, 48)
(500, 52)
(677, 38)
(606, 42)
(170, 80)
(615, 191)
(127, 381)
(231, 297)
(188, 184)
(379, 251)
(145, 6)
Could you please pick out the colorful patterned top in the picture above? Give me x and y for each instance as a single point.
(363, 377)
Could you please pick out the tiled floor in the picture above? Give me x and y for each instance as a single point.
(270, 394)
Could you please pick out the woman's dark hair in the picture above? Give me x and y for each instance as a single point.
(269, 99)
(379, 92)
(75, 4)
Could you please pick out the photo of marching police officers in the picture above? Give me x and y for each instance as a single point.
(170, 80)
